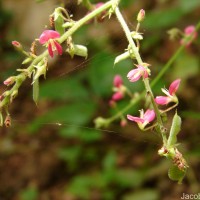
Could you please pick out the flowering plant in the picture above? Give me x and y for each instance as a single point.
(60, 40)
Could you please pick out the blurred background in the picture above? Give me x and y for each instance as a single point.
(52, 151)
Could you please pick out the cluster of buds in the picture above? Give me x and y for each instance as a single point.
(119, 90)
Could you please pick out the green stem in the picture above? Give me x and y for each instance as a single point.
(140, 62)
(153, 83)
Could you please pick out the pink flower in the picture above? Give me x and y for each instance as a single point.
(144, 119)
(190, 35)
(117, 82)
(48, 38)
(171, 97)
(135, 74)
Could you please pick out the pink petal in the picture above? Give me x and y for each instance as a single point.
(135, 119)
(174, 86)
(134, 75)
(117, 96)
(47, 35)
(149, 115)
(58, 47)
(50, 50)
(117, 82)
(162, 100)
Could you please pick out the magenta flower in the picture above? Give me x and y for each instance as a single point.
(48, 38)
(190, 35)
(135, 74)
(171, 96)
(117, 82)
(144, 119)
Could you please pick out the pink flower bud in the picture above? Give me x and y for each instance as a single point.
(9, 81)
(141, 15)
(117, 96)
(112, 103)
(190, 35)
(123, 123)
(117, 82)
(17, 45)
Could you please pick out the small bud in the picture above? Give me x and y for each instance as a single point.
(9, 81)
(13, 95)
(122, 57)
(123, 123)
(27, 60)
(112, 104)
(7, 121)
(101, 122)
(17, 45)
(80, 50)
(141, 15)
(117, 81)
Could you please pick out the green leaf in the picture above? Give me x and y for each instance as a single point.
(175, 128)
(176, 174)
(36, 91)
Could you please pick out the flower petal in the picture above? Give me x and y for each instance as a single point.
(134, 75)
(58, 47)
(149, 115)
(50, 50)
(135, 119)
(162, 100)
(47, 35)
(174, 86)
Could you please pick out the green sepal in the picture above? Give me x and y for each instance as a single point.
(175, 128)
(36, 91)
(176, 174)
(59, 21)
